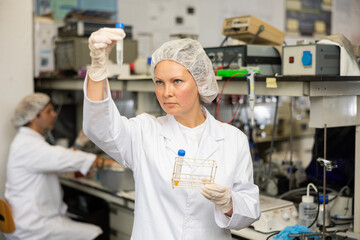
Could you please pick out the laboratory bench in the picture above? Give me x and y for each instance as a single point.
(121, 207)
(85, 192)
(334, 101)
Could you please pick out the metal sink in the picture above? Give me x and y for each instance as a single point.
(116, 179)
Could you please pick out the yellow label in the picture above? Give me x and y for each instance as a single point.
(176, 183)
(271, 83)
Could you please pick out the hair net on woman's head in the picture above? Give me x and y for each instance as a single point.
(192, 56)
(29, 107)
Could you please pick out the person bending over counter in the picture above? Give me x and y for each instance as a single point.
(32, 188)
(184, 80)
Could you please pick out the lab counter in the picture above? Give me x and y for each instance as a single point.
(94, 188)
(121, 206)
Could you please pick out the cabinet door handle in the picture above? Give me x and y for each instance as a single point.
(113, 232)
(113, 210)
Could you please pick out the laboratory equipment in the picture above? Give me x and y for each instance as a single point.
(84, 28)
(253, 30)
(251, 92)
(324, 212)
(116, 179)
(328, 166)
(119, 47)
(342, 206)
(333, 235)
(193, 172)
(276, 214)
(308, 209)
(265, 58)
(73, 52)
(81, 28)
(311, 59)
(44, 33)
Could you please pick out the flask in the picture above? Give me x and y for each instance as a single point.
(180, 162)
(308, 209)
(119, 47)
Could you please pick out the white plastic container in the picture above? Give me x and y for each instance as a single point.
(308, 209)
(119, 47)
(320, 219)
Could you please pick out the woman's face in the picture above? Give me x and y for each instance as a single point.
(176, 89)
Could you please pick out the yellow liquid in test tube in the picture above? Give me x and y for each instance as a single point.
(181, 154)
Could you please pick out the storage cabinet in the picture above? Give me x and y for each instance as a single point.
(121, 222)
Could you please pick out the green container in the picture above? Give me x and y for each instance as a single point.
(231, 72)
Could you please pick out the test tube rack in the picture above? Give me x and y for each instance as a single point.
(192, 172)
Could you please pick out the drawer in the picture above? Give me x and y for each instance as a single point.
(121, 219)
(115, 235)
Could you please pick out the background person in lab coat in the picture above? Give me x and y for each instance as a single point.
(32, 186)
(184, 79)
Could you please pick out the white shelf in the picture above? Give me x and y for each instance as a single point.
(294, 88)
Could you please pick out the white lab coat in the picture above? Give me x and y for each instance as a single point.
(34, 192)
(149, 145)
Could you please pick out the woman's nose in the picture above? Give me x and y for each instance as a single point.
(168, 90)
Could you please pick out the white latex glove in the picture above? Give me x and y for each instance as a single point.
(81, 140)
(219, 195)
(100, 43)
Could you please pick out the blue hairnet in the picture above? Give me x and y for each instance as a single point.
(29, 107)
(190, 54)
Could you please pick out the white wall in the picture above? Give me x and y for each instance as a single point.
(16, 68)
(156, 18)
(345, 19)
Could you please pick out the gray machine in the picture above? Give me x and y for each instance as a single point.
(73, 53)
(311, 59)
(266, 58)
(82, 28)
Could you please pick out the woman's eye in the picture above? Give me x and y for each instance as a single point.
(158, 82)
(177, 81)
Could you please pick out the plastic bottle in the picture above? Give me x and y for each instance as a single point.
(119, 47)
(308, 209)
(180, 162)
(320, 220)
(148, 66)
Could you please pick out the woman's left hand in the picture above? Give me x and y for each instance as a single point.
(219, 195)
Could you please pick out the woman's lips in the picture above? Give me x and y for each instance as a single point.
(169, 104)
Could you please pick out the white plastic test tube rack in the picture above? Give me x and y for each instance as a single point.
(192, 172)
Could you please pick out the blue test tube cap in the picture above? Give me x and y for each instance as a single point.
(149, 60)
(119, 25)
(181, 152)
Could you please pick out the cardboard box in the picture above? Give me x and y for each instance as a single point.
(246, 28)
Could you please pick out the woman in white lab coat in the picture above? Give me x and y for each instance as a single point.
(148, 145)
(32, 186)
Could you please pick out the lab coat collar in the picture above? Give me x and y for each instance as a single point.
(209, 142)
(30, 132)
